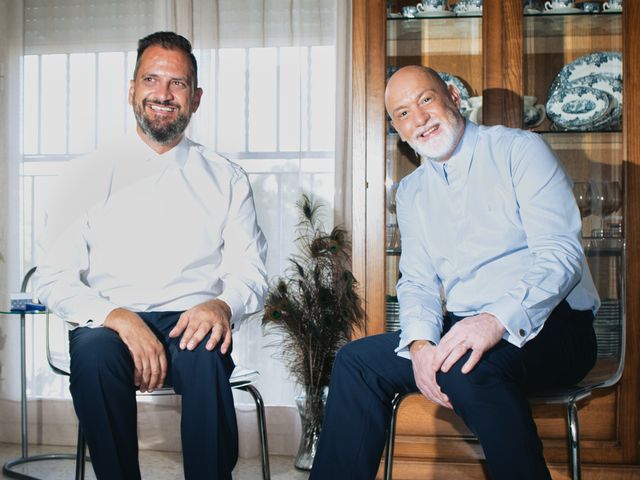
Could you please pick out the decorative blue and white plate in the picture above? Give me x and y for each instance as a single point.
(609, 85)
(450, 79)
(577, 107)
(600, 71)
(608, 64)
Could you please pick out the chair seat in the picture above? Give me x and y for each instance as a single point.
(605, 372)
(239, 377)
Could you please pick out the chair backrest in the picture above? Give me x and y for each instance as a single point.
(610, 320)
(58, 360)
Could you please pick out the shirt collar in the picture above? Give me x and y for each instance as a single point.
(145, 154)
(454, 172)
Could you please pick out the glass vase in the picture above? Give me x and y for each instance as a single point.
(311, 410)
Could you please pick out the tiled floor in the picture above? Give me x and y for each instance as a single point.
(154, 465)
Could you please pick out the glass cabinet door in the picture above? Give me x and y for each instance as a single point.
(450, 43)
(573, 98)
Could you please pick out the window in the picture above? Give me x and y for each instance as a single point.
(269, 109)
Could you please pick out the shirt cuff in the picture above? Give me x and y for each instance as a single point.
(416, 330)
(236, 304)
(514, 318)
(91, 314)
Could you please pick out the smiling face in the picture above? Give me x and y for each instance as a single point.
(424, 111)
(164, 96)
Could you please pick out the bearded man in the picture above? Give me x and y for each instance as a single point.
(488, 219)
(153, 256)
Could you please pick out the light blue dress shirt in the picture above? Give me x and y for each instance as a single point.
(494, 229)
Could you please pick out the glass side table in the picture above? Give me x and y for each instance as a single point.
(7, 469)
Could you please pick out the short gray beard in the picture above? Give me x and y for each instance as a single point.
(456, 130)
(163, 134)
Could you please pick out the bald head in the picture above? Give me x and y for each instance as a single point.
(424, 111)
(410, 75)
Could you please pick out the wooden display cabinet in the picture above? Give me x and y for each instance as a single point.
(502, 56)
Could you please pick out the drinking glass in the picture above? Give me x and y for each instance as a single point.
(612, 197)
(584, 197)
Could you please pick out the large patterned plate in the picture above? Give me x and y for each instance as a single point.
(574, 108)
(607, 64)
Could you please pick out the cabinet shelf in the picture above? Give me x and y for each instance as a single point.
(432, 29)
(572, 14)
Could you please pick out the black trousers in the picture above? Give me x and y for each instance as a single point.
(104, 397)
(491, 399)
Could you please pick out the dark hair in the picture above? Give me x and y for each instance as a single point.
(169, 41)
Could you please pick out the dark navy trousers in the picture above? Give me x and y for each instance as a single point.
(104, 397)
(491, 399)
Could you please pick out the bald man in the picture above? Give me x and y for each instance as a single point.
(489, 219)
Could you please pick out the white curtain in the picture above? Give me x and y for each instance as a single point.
(275, 75)
(10, 51)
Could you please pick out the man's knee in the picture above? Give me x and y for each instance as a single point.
(352, 354)
(468, 388)
(96, 350)
(191, 366)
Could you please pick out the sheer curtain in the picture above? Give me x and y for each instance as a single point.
(275, 82)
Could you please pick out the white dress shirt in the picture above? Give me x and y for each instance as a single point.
(131, 228)
(494, 229)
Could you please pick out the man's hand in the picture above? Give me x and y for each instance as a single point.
(148, 353)
(478, 334)
(197, 322)
(424, 371)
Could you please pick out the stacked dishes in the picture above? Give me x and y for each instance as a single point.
(393, 314)
(586, 94)
(608, 327)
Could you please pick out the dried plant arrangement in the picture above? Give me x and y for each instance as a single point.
(315, 307)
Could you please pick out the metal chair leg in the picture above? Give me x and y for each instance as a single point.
(574, 440)
(262, 428)
(391, 435)
(81, 450)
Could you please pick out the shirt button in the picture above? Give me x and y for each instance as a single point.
(522, 332)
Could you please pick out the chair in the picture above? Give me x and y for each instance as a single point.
(609, 326)
(241, 379)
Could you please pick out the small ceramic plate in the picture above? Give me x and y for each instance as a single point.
(577, 107)
(438, 13)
